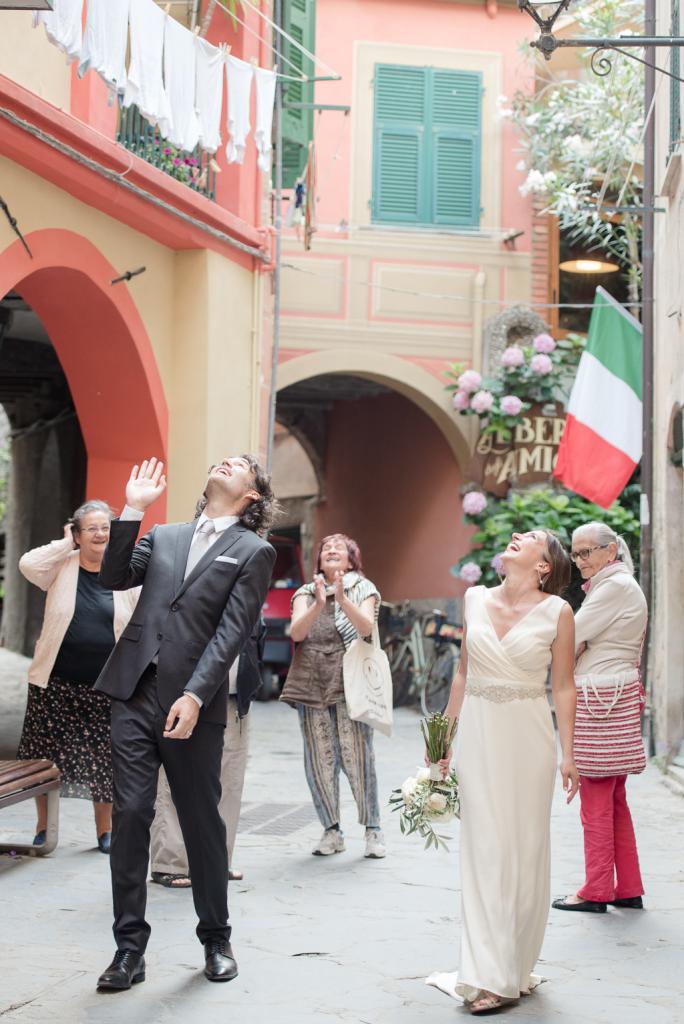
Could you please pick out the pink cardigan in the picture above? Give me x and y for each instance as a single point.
(54, 568)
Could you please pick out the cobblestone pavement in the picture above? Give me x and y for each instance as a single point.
(331, 939)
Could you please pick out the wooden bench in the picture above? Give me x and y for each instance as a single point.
(22, 780)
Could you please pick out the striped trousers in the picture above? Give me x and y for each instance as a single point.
(332, 741)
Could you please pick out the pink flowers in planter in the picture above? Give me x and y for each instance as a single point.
(470, 572)
(544, 343)
(482, 402)
(460, 400)
(474, 502)
(513, 357)
(511, 405)
(469, 381)
(541, 365)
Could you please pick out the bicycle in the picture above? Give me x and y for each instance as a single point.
(416, 671)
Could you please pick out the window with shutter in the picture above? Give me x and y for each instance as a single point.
(299, 21)
(675, 86)
(426, 146)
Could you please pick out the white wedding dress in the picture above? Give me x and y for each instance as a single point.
(506, 766)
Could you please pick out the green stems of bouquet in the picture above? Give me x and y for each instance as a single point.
(438, 732)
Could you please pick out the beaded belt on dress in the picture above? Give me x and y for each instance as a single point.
(500, 692)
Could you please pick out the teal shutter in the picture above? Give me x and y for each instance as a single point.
(427, 146)
(456, 145)
(299, 21)
(400, 94)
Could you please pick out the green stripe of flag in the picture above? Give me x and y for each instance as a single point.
(615, 339)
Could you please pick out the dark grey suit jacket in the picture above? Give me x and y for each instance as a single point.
(198, 626)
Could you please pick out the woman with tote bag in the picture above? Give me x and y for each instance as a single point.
(328, 615)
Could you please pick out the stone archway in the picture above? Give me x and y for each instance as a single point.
(401, 375)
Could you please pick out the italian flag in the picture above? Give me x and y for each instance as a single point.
(601, 443)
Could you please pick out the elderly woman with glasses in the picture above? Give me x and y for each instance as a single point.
(609, 632)
(66, 721)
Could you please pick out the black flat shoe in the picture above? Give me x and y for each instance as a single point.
(220, 964)
(586, 906)
(126, 969)
(631, 902)
(104, 842)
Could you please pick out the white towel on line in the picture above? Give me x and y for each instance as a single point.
(265, 102)
(180, 67)
(63, 26)
(145, 85)
(105, 42)
(209, 94)
(239, 75)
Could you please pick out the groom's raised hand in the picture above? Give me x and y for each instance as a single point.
(145, 484)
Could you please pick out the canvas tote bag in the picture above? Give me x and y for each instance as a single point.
(368, 684)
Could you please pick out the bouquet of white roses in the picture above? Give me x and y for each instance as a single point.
(427, 800)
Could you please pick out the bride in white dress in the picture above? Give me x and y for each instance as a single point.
(506, 765)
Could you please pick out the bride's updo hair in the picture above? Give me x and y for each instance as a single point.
(557, 579)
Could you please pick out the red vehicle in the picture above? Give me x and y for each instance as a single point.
(288, 576)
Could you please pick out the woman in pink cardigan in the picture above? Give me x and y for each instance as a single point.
(66, 721)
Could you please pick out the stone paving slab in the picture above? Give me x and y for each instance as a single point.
(332, 939)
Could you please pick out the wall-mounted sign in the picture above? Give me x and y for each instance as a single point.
(527, 457)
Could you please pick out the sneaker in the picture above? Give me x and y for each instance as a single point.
(375, 844)
(332, 841)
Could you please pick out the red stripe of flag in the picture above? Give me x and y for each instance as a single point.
(590, 466)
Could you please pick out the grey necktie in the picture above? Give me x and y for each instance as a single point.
(204, 537)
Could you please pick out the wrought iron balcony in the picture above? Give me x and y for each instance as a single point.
(140, 137)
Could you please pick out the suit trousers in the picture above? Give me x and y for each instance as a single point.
(193, 770)
(168, 848)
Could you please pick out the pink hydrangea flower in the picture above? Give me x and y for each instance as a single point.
(512, 357)
(497, 564)
(470, 572)
(544, 343)
(511, 405)
(469, 381)
(482, 401)
(541, 365)
(474, 502)
(460, 400)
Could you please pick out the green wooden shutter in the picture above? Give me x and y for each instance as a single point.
(427, 145)
(675, 86)
(400, 97)
(299, 21)
(456, 146)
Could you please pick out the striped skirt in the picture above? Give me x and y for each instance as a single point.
(608, 726)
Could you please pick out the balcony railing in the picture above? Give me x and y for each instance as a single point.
(140, 137)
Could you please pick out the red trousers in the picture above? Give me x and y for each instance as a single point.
(610, 853)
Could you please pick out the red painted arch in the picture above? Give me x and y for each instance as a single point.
(104, 350)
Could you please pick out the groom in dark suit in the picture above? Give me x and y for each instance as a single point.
(203, 585)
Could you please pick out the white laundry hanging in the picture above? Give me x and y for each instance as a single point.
(145, 85)
(239, 75)
(209, 94)
(180, 81)
(63, 26)
(265, 102)
(105, 42)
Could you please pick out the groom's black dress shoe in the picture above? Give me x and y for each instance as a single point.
(631, 902)
(220, 964)
(126, 969)
(585, 906)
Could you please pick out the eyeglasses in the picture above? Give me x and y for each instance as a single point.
(581, 556)
(95, 529)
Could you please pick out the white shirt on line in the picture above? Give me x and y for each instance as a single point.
(221, 524)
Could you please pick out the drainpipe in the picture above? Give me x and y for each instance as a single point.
(277, 241)
(646, 554)
(194, 14)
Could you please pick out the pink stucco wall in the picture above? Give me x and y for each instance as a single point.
(463, 26)
(392, 483)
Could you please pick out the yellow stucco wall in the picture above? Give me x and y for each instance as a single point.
(31, 60)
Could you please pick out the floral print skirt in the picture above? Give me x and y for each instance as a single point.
(69, 723)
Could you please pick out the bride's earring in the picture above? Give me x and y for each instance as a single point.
(542, 580)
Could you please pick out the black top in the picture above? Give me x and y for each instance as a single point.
(90, 637)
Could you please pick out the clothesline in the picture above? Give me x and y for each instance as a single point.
(288, 78)
(173, 77)
(293, 42)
